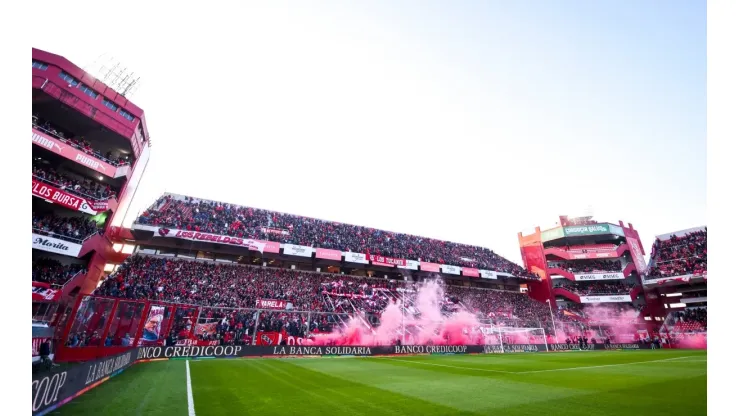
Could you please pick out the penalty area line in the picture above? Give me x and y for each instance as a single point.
(448, 366)
(191, 405)
(601, 366)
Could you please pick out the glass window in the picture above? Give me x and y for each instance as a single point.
(69, 79)
(110, 104)
(126, 115)
(40, 65)
(88, 91)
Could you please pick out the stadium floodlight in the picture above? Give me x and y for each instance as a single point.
(114, 74)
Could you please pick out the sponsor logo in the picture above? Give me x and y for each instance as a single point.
(430, 349)
(45, 242)
(622, 347)
(105, 368)
(89, 162)
(164, 232)
(271, 304)
(265, 340)
(46, 390)
(150, 353)
(46, 143)
(570, 347)
(303, 350)
(599, 276)
(43, 293)
(498, 349)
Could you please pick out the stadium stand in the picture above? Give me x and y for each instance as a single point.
(589, 266)
(678, 256)
(85, 188)
(69, 228)
(240, 221)
(597, 288)
(78, 143)
(51, 271)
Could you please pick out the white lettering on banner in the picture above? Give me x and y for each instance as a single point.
(307, 350)
(55, 245)
(44, 142)
(89, 162)
(599, 276)
(271, 304)
(487, 274)
(152, 353)
(355, 257)
(410, 265)
(606, 299)
(294, 250)
(451, 269)
(213, 238)
(46, 390)
(430, 349)
(105, 368)
(60, 197)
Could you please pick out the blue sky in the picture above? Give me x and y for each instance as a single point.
(469, 121)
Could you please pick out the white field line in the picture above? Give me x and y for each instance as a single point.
(535, 371)
(601, 366)
(191, 405)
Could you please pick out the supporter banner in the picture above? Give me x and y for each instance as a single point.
(293, 250)
(637, 255)
(261, 246)
(446, 268)
(513, 348)
(606, 299)
(271, 304)
(487, 274)
(51, 390)
(153, 325)
(385, 261)
(57, 146)
(410, 265)
(552, 234)
(55, 245)
(355, 257)
(579, 230)
(599, 276)
(42, 292)
(59, 197)
(268, 230)
(266, 338)
(206, 329)
(429, 267)
(322, 253)
(197, 343)
(467, 271)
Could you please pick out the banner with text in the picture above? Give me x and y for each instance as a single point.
(322, 253)
(606, 299)
(55, 245)
(410, 265)
(467, 271)
(429, 267)
(599, 276)
(42, 292)
(62, 149)
(487, 274)
(385, 261)
(552, 234)
(256, 245)
(355, 257)
(300, 251)
(592, 255)
(637, 255)
(65, 199)
(271, 304)
(580, 230)
(446, 268)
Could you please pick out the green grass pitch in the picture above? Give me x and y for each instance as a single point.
(663, 382)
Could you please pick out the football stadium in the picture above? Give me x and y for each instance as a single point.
(210, 307)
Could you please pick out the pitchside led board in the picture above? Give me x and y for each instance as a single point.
(52, 390)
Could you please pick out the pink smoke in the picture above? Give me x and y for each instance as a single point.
(424, 323)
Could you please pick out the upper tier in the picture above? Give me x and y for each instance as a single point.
(188, 213)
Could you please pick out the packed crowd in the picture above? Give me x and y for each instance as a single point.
(678, 256)
(53, 272)
(698, 315)
(596, 288)
(588, 266)
(245, 222)
(78, 143)
(86, 188)
(73, 228)
(330, 298)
